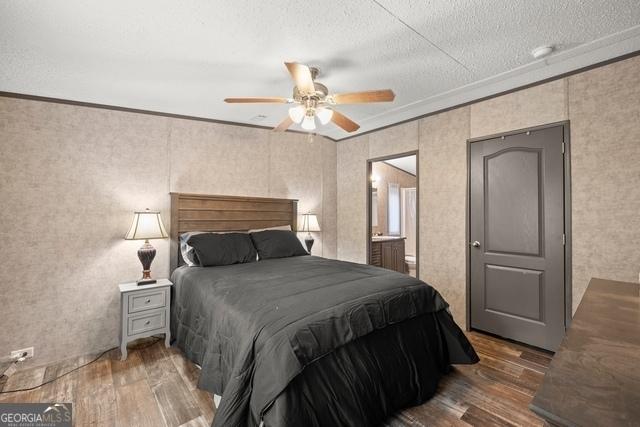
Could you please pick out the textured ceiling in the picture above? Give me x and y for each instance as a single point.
(185, 57)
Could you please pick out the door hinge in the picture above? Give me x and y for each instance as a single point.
(564, 239)
(563, 148)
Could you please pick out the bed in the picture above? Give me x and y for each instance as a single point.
(304, 341)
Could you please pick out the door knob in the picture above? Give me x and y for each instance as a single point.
(476, 244)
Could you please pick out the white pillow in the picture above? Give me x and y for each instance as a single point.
(279, 227)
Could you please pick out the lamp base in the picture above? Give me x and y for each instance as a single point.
(308, 241)
(146, 254)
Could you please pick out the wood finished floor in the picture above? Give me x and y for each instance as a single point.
(156, 387)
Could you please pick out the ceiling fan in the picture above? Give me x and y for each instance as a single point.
(313, 101)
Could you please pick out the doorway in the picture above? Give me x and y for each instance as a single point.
(519, 235)
(392, 213)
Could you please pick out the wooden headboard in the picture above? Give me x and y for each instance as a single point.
(203, 212)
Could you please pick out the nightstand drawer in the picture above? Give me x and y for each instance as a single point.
(146, 322)
(140, 301)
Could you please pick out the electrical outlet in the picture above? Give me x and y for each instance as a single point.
(10, 370)
(16, 354)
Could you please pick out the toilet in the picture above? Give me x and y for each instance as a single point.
(410, 260)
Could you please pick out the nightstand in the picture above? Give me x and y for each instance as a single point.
(144, 311)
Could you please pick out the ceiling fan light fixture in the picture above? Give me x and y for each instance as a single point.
(297, 113)
(308, 123)
(324, 115)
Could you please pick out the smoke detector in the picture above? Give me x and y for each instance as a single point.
(542, 51)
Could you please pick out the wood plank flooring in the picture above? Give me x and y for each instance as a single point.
(156, 386)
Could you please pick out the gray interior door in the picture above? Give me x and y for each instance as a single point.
(517, 236)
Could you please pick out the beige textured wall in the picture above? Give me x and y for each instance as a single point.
(352, 156)
(535, 106)
(603, 106)
(352, 198)
(443, 186)
(70, 178)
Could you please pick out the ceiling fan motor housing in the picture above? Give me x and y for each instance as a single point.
(320, 94)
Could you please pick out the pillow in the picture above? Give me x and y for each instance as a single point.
(213, 249)
(277, 244)
(279, 227)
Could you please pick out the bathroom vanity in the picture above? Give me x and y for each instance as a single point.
(388, 252)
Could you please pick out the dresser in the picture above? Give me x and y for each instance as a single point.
(144, 311)
(594, 377)
(389, 253)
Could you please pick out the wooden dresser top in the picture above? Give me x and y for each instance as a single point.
(594, 378)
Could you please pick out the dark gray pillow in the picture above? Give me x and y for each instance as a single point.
(277, 244)
(213, 249)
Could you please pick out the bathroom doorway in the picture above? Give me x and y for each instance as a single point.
(392, 213)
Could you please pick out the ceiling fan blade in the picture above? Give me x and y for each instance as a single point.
(284, 125)
(301, 76)
(344, 122)
(384, 95)
(255, 99)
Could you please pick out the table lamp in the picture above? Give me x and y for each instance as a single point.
(309, 224)
(146, 225)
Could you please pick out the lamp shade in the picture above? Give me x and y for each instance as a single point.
(309, 222)
(297, 113)
(146, 225)
(308, 123)
(324, 115)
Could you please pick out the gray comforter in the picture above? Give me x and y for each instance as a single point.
(254, 327)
